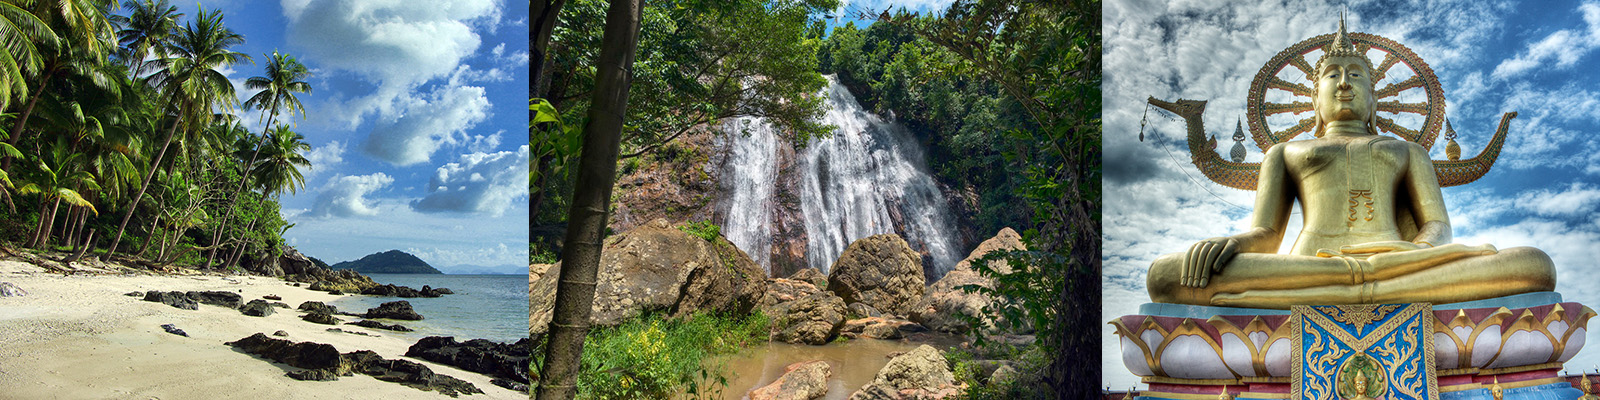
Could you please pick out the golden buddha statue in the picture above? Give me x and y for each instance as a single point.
(1587, 388)
(1375, 226)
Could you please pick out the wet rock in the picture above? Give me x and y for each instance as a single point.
(323, 362)
(500, 360)
(257, 308)
(781, 291)
(657, 267)
(804, 380)
(306, 355)
(173, 329)
(442, 290)
(314, 306)
(922, 373)
(217, 298)
(335, 292)
(402, 291)
(880, 328)
(881, 271)
(320, 318)
(814, 319)
(947, 308)
(394, 310)
(811, 275)
(280, 333)
(510, 384)
(379, 325)
(174, 298)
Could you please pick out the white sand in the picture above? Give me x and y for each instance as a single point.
(79, 337)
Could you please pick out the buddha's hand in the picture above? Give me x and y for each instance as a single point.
(1207, 258)
(1387, 246)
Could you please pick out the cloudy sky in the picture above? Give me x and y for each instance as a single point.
(416, 125)
(1491, 57)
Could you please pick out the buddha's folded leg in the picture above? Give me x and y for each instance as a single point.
(1251, 271)
(1508, 272)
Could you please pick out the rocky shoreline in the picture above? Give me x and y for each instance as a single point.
(103, 330)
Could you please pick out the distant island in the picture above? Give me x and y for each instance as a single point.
(389, 262)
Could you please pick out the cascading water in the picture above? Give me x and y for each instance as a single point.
(752, 168)
(863, 180)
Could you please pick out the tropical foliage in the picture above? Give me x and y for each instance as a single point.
(120, 139)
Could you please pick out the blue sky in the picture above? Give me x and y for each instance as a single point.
(417, 123)
(1491, 57)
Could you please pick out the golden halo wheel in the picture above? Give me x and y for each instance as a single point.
(1419, 95)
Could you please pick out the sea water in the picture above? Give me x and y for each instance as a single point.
(493, 307)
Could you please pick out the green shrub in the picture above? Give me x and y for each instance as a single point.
(703, 229)
(652, 356)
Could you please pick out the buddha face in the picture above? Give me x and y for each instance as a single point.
(1344, 90)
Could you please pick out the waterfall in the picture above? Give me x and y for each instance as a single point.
(870, 177)
(751, 168)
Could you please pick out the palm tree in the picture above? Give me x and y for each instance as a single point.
(192, 85)
(80, 48)
(20, 34)
(59, 179)
(285, 77)
(282, 152)
(146, 29)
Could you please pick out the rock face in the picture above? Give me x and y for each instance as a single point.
(918, 374)
(323, 362)
(657, 267)
(394, 310)
(814, 319)
(257, 308)
(500, 360)
(297, 267)
(175, 299)
(946, 304)
(805, 380)
(881, 271)
(811, 275)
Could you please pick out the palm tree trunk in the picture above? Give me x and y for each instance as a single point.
(33, 241)
(133, 205)
(597, 172)
(244, 178)
(242, 245)
(88, 243)
(70, 227)
(50, 224)
(152, 230)
(545, 14)
(22, 120)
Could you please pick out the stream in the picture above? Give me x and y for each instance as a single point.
(854, 362)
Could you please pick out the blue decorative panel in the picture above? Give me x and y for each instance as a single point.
(1370, 351)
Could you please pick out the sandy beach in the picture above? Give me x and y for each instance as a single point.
(78, 336)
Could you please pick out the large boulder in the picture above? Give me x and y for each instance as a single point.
(393, 310)
(814, 319)
(946, 308)
(500, 360)
(810, 275)
(257, 308)
(881, 271)
(217, 298)
(781, 291)
(297, 267)
(922, 373)
(657, 267)
(175, 299)
(805, 380)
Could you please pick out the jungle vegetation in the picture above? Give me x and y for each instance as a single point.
(120, 139)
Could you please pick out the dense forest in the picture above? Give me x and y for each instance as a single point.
(123, 139)
(1003, 95)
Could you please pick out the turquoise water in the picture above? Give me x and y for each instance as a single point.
(493, 307)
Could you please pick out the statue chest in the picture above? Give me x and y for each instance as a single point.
(1348, 185)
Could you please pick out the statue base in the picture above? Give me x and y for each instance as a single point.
(1195, 352)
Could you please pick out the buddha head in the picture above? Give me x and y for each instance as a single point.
(1359, 383)
(1342, 85)
(1584, 384)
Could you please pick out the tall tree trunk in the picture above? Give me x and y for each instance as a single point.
(539, 192)
(597, 170)
(240, 248)
(50, 224)
(88, 244)
(546, 14)
(152, 231)
(133, 205)
(22, 120)
(33, 240)
(244, 178)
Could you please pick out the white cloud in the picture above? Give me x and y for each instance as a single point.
(1564, 47)
(478, 183)
(345, 196)
(325, 157)
(516, 253)
(426, 123)
(1577, 200)
(397, 45)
